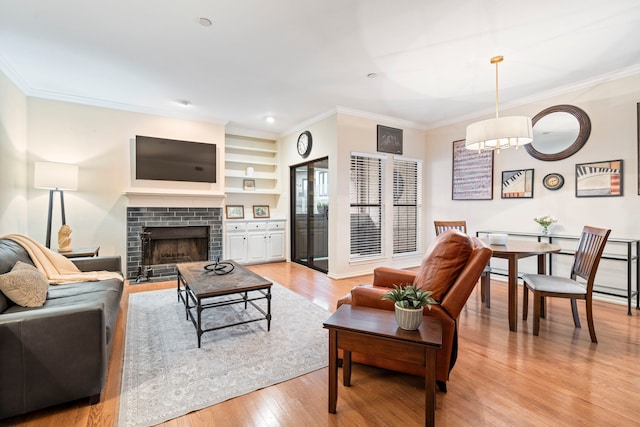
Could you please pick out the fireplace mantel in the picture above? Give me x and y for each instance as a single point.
(174, 198)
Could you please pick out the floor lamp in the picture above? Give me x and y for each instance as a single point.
(55, 177)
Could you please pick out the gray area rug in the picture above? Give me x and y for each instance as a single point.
(166, 375)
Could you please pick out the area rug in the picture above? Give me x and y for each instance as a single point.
(166, 375)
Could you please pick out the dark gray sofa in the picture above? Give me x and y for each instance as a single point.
(58, 352)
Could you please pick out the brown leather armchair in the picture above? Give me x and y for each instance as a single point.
(451, 268)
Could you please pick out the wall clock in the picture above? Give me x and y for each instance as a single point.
(553, 181)
(304, 144)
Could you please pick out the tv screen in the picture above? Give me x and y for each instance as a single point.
(174, 160)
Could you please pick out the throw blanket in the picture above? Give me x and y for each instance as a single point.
(56, 267)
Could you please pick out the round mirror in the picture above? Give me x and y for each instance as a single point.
(558, 132)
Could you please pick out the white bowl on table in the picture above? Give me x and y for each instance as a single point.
(498, 238)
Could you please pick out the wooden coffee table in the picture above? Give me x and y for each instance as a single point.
(375, 332)
(196, 284)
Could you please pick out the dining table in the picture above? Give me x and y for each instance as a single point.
(512, 251)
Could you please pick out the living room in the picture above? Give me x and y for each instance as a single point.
(99, 139)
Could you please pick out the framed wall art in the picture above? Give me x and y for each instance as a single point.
(249, 184)
(234, 211)
(517, 184)
(599, 179)
(472, 176)
(260, 211)
(389, 140)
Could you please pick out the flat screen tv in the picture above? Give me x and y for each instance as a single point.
(174, 160)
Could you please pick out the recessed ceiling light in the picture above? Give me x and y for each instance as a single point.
(184, 102)
(270, 119)
(205, 22)
(372, 75)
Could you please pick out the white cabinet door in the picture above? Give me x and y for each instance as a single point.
(275, 245)
(237, 247)
(256, 246)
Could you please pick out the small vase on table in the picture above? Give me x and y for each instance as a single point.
(545, 230)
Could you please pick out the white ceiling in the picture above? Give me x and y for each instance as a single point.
(297, 59)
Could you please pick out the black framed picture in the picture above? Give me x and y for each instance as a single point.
(472, 173)
(599, 179)
(517, 184)
(389, 140)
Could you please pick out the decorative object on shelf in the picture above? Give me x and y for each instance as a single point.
(558, 132)
(545, 221)
(472, 174)
(517, 184)
(553, 181)
(498, 238)
(599, 179)
(64, 239)
(55, 177)
(501, 132)
(249, 171)
(260, 211)
(409, 300)
(389, 140)
(234, 211)
(248, 184)
(305, 142)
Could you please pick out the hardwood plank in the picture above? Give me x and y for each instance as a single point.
(500, 378)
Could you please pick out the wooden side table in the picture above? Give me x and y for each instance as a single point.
(82, 252)
(374, 331)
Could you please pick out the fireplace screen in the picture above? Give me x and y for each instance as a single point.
(170, 245)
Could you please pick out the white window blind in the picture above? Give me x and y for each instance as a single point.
(407, 202)
(365, 198)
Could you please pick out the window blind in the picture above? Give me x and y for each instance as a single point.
(365, 198)
(407, 202)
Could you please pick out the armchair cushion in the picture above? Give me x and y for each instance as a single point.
(443, 262)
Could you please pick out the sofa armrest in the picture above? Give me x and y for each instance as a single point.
(387, 277)
(51, 355)
(371, 296)
(99, 263)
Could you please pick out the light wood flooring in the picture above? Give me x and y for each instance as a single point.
(501, 378)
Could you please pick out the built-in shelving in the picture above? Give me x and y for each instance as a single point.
(248, 158)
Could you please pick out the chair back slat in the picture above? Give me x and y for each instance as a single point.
(442, 226)
(589, 253)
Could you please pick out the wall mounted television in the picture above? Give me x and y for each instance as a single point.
(174, 160)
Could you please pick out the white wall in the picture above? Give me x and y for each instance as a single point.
(13, 164)
(99, 141)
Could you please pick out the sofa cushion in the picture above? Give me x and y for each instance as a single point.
(25, 285)
(443, 262)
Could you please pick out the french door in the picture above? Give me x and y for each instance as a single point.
(310, 214)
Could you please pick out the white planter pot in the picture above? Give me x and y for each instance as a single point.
(408, 318)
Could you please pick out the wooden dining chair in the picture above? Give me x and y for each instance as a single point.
(485, 278)
(585, 264)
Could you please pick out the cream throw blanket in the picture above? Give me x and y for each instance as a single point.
(56, 267)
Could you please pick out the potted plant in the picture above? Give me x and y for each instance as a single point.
(409, 301)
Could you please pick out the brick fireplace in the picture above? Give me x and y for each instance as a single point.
(159, 237)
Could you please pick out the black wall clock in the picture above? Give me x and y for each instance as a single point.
(553, 181)
(304, 144)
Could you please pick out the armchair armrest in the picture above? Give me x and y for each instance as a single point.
(387, 277)
(99, 263)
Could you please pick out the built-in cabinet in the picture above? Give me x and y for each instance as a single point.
(251, 165)
(256, 241)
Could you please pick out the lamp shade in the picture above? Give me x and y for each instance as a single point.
(498, 133)
(55, 176)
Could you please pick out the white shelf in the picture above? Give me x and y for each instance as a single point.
(250, 149)
(247, 152)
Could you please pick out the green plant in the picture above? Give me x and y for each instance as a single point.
(410, 296)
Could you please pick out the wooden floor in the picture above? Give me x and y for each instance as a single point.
(501, 378)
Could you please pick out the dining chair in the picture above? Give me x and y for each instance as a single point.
(485, 277)
(585, 264)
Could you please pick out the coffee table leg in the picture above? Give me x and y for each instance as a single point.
(333, 370)
(199, 329)
(430, 387)
(268, 309)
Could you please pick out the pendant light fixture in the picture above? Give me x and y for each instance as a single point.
(501, 132)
